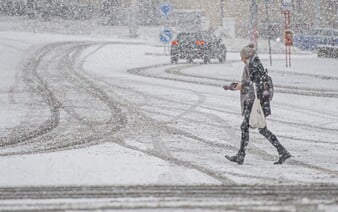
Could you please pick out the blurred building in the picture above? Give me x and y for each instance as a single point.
(305, 14)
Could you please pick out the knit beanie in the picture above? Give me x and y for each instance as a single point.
(248, 51)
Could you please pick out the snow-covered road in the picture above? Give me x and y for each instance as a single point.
(79, 112)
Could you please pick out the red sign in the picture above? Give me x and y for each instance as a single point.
(288, 38)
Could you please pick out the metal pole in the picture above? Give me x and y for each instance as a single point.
(270, 54)
(286, 56)
(286, 48)
(289, 56)
(289, 24)
(253, 23)
(268, 29)
(317, 13)
(334, 12)
(133, 25)
(222, 12)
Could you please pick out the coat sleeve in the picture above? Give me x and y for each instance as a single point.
(256, 70)
(257, 74)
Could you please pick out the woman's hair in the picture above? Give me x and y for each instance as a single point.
(248, 51)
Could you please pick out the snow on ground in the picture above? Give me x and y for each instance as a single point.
(104, 164)
(109, 166)
(180, 123)
(107, 163)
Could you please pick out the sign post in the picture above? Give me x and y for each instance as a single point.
(165, 37)
(288, 35)
(254, 23)
(268, 27)
(166, 34)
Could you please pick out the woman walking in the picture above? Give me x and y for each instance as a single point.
(252, 82)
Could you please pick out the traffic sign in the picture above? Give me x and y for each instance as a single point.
(166, 35)
(165, 9)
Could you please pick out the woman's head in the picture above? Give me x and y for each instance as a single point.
(248, 51)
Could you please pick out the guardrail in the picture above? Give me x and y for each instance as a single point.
(327, 51)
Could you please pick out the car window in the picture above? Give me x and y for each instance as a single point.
(208, 36)
(189, 36)
(196, 36)
(184, 36)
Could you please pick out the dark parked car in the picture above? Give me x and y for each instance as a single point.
(315, 37)
(197, 45)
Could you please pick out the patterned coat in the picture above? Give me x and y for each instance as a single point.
(254, 72)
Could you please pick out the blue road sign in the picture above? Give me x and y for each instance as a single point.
(166, 36)
(165, 9)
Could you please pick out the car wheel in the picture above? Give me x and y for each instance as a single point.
(173, 60)
(222, 59)
(206, 60)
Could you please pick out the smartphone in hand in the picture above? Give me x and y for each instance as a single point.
(232, 86)
(226, 87)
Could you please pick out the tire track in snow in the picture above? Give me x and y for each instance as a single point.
(278, 88)
(64, 59)
(196, 138)
(84, 83)
(153, 124)
(143, 72)
(38, 87)
(177, 69)
(174, 130)
(161, 149)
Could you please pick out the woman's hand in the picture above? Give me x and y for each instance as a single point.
(237, 86)
(233, 86)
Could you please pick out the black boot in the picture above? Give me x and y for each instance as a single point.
(283, 155)
(238, 158)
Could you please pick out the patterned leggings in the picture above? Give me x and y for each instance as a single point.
(264, 131)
